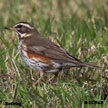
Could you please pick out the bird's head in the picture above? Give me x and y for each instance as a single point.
(23, 29)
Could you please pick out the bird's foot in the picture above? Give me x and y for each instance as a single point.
(53, 79)
(40, 79)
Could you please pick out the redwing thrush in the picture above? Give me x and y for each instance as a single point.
(41, 54)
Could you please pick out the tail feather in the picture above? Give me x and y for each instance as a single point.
(89, 65)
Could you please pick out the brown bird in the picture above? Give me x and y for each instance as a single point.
(41, 54)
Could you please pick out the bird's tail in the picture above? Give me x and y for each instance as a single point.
(89, 65)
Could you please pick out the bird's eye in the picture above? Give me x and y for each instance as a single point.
(19, 26)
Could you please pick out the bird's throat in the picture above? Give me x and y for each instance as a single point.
(22, 35)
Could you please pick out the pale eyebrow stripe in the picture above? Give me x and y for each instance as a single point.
(26, 25)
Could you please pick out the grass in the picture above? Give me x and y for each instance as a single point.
(78, 26)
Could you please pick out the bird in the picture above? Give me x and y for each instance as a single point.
(41, 54)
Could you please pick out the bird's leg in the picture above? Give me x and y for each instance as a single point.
(42, 77)
(51, 80)
(31, 76)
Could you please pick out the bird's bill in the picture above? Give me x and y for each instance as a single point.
(10, 28)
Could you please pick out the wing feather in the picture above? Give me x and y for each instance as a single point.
(44, 47)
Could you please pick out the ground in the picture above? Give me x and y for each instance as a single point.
(79, 26)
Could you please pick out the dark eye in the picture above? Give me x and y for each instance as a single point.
(19, 26)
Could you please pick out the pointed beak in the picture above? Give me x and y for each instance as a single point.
(10, 28)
